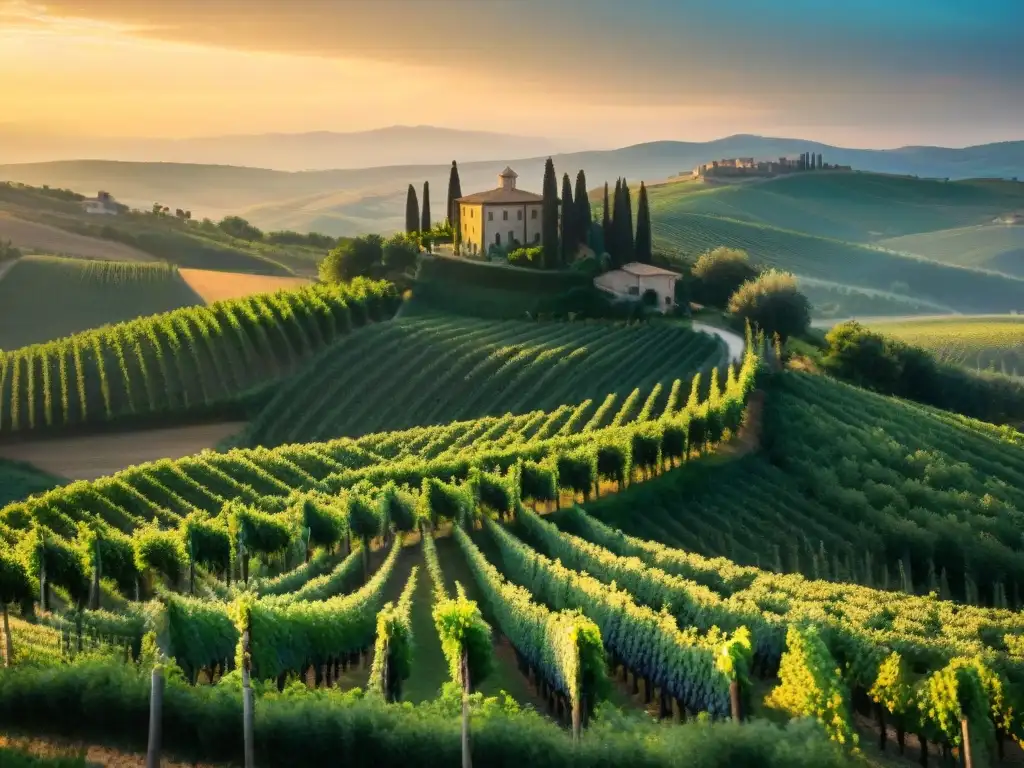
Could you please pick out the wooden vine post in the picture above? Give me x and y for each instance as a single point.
(467, 761)
(734, 700)
(8, 642)
(247, 701)
(966, 731)
(156, 708)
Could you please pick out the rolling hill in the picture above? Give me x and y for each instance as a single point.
(855, 207)
(964, 290)
(988, 343)
(432, 369)
(359, 200)
(44, 297)
(998, 247)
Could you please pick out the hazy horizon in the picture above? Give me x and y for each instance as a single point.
(886, 74)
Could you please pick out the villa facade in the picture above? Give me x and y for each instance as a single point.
(504, 216)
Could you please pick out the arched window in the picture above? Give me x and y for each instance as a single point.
(497, 238)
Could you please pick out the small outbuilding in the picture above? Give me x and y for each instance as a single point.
(103, 204)
(631, 281)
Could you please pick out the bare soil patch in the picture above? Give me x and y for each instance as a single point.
(44, 238)
(218, 286)
(92, 456)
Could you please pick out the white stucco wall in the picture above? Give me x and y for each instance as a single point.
(629, 286)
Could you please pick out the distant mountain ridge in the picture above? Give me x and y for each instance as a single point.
(368, 199)
(315, 150)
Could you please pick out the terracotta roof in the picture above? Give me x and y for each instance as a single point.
(647, 270)
(500, 195)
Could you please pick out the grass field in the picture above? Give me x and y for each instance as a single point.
(19, 480)
(989, 343)
(436, 369)
(45, 297)
(855, 207)
(849, 264)
(834, 300)
(30, 236)
(998, 247)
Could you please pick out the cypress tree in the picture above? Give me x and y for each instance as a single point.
(569, 229)
(581, 200)
(425, 227)
(614, 243)
(412, 211)
(627, 226)
(549, 211)
(454, 193)
(643, 228)
(606, 222)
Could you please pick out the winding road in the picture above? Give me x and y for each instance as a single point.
(733, 341)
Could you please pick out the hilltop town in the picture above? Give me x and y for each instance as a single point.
(749, 167)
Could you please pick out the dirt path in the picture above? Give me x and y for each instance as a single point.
(93, 456)
(733, 341)
(217, 286)
(47, 239)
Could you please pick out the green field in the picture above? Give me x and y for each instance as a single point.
(45, 297)
(436, 369)
(192, 361)
(999, 247)
(196, 244)
(804, 255)
(855, 207)
(834, 300)
(18, 481)
(991, 343)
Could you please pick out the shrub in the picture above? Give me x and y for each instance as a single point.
(527, 257)
(238, 227)
(718, 274)
(773, 303)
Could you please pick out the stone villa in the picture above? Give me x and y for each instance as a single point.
(502, 216)
(748, 166)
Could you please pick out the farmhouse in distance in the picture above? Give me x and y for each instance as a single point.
(501, 216)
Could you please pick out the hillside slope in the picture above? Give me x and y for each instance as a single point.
(998, 247)
(372, 199)
(992, 343)
(45, 297)
(856, 207)
(960, 289)
(436, 369)
(852, 486)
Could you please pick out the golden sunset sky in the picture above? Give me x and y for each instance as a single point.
(606, 73)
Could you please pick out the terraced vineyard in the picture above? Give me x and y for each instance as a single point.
(437, 369)
(993, 343)
(853, 487)
(80, 294)
(192, 360)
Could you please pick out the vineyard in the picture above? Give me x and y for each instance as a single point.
(853, 487)
(434, 369)
(998, 247)
(189, 361)
(993, 343)
(81, 294)
(378, 562)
